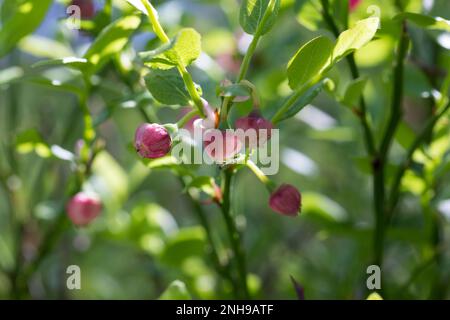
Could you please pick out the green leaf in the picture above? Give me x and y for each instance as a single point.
(54, 84)
(31, 140)
(309, 61)
(26, 17)
(44, 47)
(307, 98)
(354, 92)
(138, 5)
(111, 40)
(79, 64)
(308, 14)
(187, 242)
(355, 38)
(405, 135)
(182, 50)
(252, 13)
(240, 92)
(167, 87)
(10, 74)
(424, 21)
(176, 291)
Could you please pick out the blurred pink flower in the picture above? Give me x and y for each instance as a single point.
(286, 200)
(83, 208)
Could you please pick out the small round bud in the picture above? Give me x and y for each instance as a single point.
(83, 208)
(286, 200)
(152, 141)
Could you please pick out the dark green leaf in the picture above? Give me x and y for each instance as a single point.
(252, 13)
(167, 87)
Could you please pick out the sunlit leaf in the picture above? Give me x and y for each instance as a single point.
(309, 61)
(252, 13)
(25, 17)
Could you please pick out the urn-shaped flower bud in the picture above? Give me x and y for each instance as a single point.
(87, 8)
(221, 145)
(152, 141)
(286, 200)
(257, 129)
(83, 208)
(353, 4)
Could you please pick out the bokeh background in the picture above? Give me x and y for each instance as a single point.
(148, 234)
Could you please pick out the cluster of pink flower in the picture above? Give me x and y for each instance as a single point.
(154, 141)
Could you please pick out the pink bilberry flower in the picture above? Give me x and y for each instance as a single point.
(221, 145)
(87, 8)
(152, 141)
(353, 4)
(83, 208)
(286, 200)
(255, 127)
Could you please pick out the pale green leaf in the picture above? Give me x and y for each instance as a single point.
(356, 37)
(44, 47)
(354, 92)
(182, 50)
(309, 61)
(424, 21)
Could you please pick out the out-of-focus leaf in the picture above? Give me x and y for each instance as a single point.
(405, 135)
(79, 64)
(44, 47)
(111, 41)
(374, 296)
(187, 242)
(26, 17)
(309, 61)
(176, 291)
(308, 14)
(10, 74)
(167, 87)
(354, 92)
(355, 38)
(322, 208)
(307, 98)
(252, 13)
(182, 50)
(203, 183)
(424, 21)
(109, 180)
(138, 5)
(54, 84)
(29, 141)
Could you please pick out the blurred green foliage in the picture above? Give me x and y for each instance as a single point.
(148, 242)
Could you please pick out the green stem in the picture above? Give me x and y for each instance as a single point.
(418, 141)
(188, 116)
(379, 164)
(233, 233)
(247, 58)
(261, 176)
(221, 269)
(161, 34)
(368, 132)
(292, 99)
